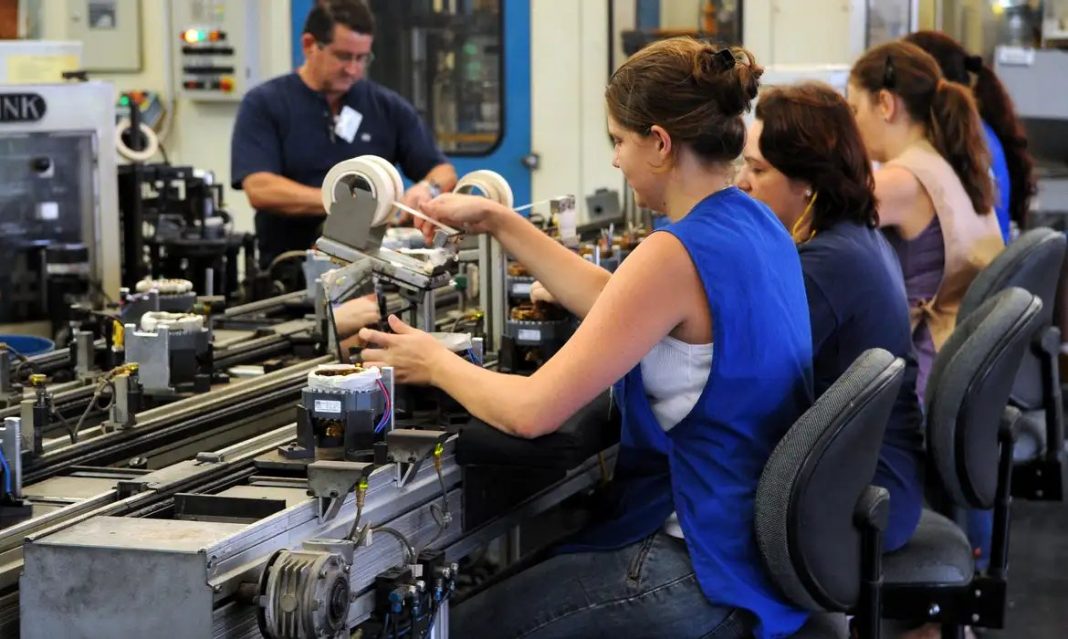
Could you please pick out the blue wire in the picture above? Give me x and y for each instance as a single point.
(7, 473)
(387, 409)
(471, 357)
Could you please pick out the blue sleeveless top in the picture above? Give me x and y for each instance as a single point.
(1000, 168)
(707, 467)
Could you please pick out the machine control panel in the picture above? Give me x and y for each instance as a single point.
(216, 47)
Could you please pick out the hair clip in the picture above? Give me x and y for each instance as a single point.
(889, 75)
(973, 63)
(725, 59)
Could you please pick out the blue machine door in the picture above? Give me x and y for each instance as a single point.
(466, 69)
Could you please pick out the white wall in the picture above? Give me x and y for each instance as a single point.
(200, 135)
(569, 70)
(805, 32)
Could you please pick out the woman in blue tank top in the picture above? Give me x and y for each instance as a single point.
(676, 555)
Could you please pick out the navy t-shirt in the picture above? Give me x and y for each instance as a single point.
(284, 127)
(856, 298)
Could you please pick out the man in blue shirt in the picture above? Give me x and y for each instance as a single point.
(292, 129)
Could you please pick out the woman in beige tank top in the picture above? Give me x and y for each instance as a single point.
(934, 189)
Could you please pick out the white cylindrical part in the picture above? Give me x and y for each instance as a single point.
(166, 286)
(344, 377)
(490, 183)
(377, 174)
(176, 322)
(151, 142)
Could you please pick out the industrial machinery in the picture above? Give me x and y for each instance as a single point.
(354, 513)
(359, 195)
(58, 212)
(1033, 79)
(175, 225)
(343, 409)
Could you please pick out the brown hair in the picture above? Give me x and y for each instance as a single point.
(995, 108)
(695, 91)
(810, 134)
(946, 109)
(353, 14)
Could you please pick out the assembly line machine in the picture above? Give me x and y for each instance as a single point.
(247, 479)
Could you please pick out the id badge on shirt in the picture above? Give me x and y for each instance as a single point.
(347, 123)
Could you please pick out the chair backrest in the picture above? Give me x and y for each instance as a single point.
(968, 390)
(811, 485)
(1033, 262)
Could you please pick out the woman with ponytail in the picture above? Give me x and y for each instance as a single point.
(1011, 163)
(934, 189)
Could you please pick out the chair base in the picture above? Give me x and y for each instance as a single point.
(1040, 479)
(982, 603)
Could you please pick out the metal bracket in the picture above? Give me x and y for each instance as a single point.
(408, 447)
(981, 603)
(331, 481)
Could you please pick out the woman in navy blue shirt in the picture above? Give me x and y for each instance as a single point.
(805, 159)
(1011, 164)
(677, 555)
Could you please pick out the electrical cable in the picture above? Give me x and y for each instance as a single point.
(341, 356)
(7, 473)
(408, 548)
(441, 515)
(386, 410)
(361, 494)
(385, 627)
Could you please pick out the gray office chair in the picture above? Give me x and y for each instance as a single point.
(970, 432)
(1034, 262)
(818, 521)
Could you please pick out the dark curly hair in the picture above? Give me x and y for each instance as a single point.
(810, 135)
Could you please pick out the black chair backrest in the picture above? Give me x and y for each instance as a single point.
(968, 390)
(1033, 262)
(813, 480)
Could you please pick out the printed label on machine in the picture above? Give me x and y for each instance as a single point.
(521, 289)
(529, 334)
(327, 406)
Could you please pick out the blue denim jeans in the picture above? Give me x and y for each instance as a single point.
(645, 590)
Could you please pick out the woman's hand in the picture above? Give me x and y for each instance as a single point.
(468, 213)
(538, 293)
(355, 314)
(413, 354)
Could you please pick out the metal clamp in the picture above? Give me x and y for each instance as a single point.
(408, 447)
(331, 481)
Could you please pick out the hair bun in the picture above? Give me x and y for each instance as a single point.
(730, 75)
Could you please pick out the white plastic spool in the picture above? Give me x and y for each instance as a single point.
(490, 183)
(151, 142)
(379, 175)
(175, 322)
(167, 286)
(349, 379)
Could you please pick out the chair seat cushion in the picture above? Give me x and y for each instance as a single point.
(937, 554)
(824, 625)
(1030, 436)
